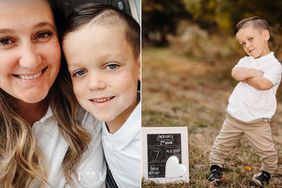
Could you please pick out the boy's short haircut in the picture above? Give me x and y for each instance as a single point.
(255, 21)
(98, 13)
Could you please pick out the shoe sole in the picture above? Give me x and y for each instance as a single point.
(256, 182)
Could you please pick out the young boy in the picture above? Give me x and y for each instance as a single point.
(102, 49)
(252, 102)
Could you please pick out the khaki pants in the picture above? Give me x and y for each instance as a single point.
(258, 133)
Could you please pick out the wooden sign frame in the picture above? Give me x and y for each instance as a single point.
(165, 154)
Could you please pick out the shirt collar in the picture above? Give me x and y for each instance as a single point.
(128, 131)
(48, 115)
(45, 124)
(265, 57)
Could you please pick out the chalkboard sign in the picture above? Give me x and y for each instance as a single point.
(165, 154)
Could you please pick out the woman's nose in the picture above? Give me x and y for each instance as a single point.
(30, 57)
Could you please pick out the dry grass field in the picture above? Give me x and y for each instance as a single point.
(179, 91)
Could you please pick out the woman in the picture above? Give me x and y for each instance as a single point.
(41, 141)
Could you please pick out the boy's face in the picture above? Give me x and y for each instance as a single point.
(104, 71)
(254, 41)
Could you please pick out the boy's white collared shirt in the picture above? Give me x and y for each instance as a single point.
(122, 150)
(247, 103)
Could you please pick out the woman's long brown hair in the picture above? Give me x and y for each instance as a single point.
(21, 161)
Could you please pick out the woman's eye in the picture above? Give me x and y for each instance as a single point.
(251, 39)
(6, 41)
(79, 73)
(43, 35)
(112, 66)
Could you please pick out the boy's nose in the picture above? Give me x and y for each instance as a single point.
(248, 45)
(30, 58)
(96, 82)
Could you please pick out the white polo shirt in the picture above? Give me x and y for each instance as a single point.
(91, 170)
(122, 151)
(247, 103)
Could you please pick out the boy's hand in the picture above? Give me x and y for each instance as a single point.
(243, 73)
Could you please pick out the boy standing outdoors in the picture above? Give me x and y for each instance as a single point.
(102, 49)
(252, 102)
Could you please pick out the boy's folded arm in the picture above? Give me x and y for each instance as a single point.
(259, 83)
(243, 73)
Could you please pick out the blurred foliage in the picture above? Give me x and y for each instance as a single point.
(192, 41)
(226, 13)
(161, 17)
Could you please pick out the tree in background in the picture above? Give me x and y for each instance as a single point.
(227, 13)
(160, 18)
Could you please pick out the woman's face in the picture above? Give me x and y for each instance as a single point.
(29, 49)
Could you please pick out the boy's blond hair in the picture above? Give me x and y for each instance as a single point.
(255, 21)
(104, 14)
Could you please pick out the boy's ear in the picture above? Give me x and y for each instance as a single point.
(266, 35)
(139, 67)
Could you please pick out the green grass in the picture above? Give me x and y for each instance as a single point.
(179, 91)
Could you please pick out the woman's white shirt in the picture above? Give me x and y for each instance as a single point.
(91, 170)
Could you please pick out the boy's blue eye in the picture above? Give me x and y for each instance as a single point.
(79, 73)
(243, 44)
(112, 66)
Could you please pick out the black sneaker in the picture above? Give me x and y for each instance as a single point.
(216, 175)
(261, 179)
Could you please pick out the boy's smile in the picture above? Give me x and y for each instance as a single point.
(101, 99)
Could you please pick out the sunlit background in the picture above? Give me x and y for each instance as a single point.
(188, 52)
